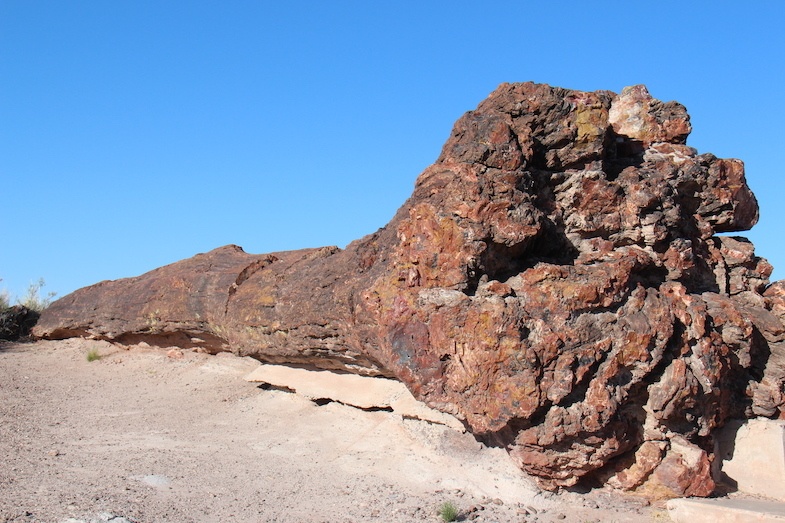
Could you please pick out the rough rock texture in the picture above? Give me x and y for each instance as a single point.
(555, 280)
(16, 322)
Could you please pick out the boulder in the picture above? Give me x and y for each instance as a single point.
(16, 322)
(555, 281)
(750, 457)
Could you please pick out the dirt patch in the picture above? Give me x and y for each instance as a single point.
(142, 435)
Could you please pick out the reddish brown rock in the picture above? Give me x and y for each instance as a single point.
(555, 281)
(16, 322)
(685, 470)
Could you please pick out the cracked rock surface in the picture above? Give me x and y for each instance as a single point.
(555, 280)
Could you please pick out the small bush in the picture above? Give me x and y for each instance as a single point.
(5, 299)
(93, 355)
(448, 511)
(33, 300)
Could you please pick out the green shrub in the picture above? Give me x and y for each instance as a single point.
(93, 355)
(5, 299)
(448, 511)
(33, 300)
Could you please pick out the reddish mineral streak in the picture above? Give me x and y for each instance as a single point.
(555, 281)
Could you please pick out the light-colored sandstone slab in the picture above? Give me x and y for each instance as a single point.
(350, 389)
(752, 457)
(693, 510)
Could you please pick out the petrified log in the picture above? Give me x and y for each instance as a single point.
(555, 281)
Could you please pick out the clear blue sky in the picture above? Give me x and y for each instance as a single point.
(137, 133)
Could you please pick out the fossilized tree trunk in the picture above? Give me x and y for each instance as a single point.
(555, 281)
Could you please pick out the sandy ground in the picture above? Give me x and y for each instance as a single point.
(138, 436)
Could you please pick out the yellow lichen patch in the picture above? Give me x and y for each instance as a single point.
(266, 297)
(591, 119)
(153, 320)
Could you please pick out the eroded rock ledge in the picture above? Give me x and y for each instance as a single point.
(555, 281)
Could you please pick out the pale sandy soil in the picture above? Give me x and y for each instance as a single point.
(141, 437)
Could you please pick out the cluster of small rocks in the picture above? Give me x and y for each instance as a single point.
(16, 322)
